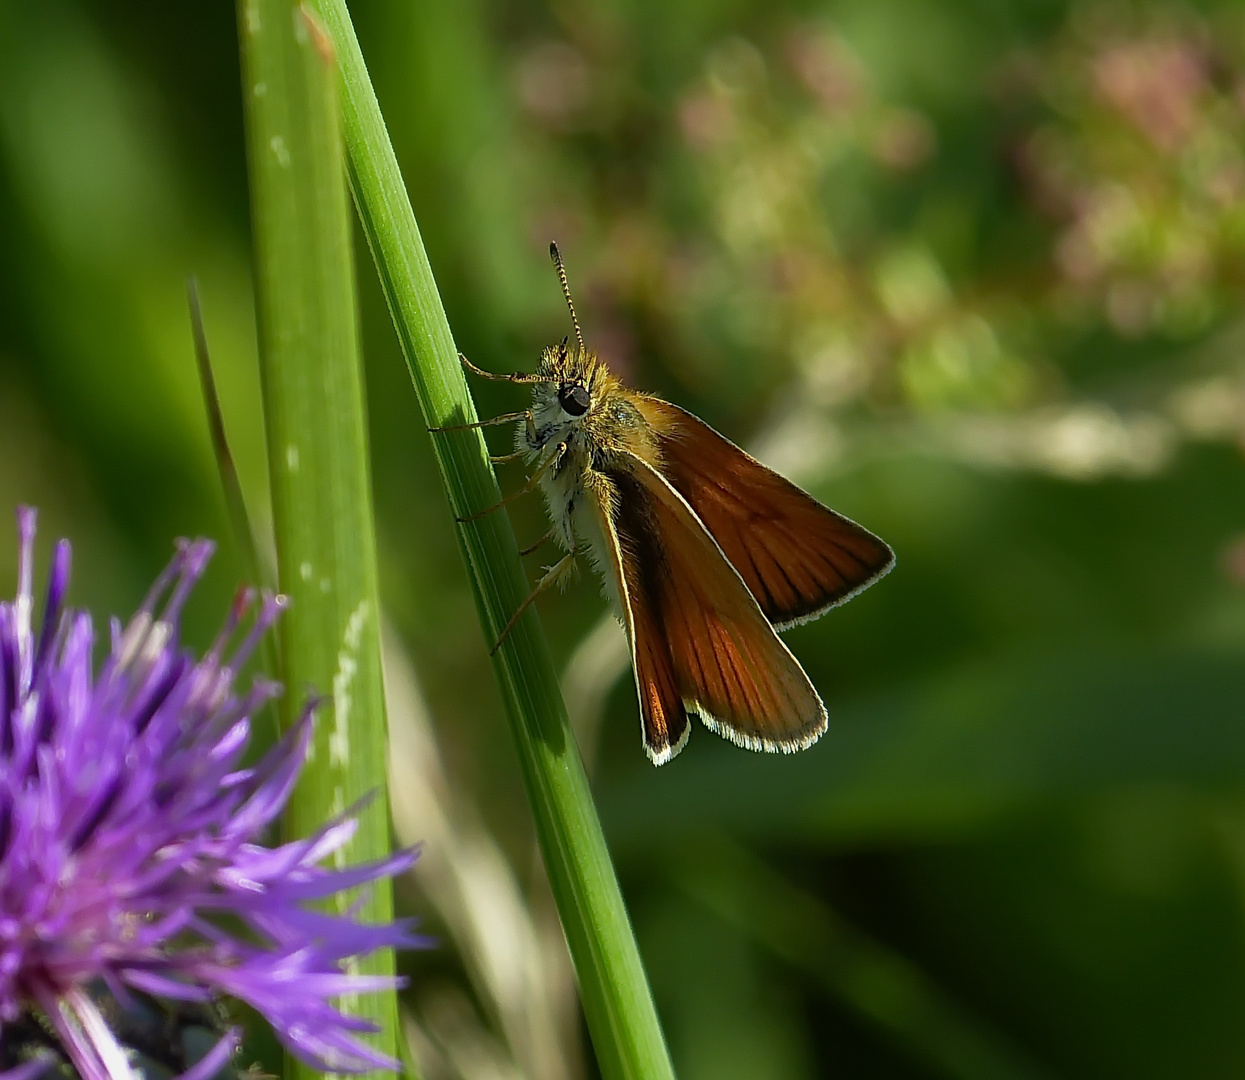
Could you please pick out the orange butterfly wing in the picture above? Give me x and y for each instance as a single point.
(699, 640)
(797, 557)
(662, 715)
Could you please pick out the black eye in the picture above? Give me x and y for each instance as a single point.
(574, 399)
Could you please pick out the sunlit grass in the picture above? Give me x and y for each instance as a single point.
(614, 990)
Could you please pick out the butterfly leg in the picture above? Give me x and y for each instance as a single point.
(536, 546)
(501, 459)
(504, 418)
(552, 576)
(517, 377)
(532, 481)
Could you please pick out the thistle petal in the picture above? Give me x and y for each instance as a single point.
(131, 835)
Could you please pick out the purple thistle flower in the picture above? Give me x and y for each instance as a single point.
(130, 853)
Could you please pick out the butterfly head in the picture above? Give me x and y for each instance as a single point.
(577, 401)
(574, 399)
(572, 387)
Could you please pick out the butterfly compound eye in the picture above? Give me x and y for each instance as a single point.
(574, 399)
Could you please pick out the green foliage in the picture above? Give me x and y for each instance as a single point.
(968, 272)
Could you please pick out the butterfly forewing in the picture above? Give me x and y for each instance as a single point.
(665, 721)
(698, 636)
(796, 556)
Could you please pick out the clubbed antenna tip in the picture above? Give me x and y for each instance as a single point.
(556, 256)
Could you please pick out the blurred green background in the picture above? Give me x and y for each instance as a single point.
(970, 272)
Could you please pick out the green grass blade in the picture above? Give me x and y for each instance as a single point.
(317, 439)
(231, 487)
(614, 989)
(253, 570)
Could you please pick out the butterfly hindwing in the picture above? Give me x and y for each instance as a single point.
(699, 638)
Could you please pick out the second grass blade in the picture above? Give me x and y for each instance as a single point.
(317, 446)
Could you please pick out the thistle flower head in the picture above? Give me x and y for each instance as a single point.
(131, 858)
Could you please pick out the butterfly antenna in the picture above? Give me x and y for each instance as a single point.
(566, 291)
